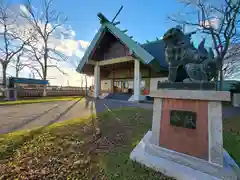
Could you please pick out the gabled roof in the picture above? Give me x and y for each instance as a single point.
(156, 49)
(139, 51)
(90, 48)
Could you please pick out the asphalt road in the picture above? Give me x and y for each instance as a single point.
(28, 116)
(16, 117)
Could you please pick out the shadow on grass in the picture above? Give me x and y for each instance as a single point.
(95, 147)
(63, 147)
(12, 141)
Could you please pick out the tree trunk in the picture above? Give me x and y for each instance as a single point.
(17, 72)
(220, 74)
(216, 80)
(4, 74)
(221, 80)
(45, 86)
(45, 57)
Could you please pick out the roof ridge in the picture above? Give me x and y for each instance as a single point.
(103, 19)
(151, 42)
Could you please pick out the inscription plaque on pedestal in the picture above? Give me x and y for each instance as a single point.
(186, 119)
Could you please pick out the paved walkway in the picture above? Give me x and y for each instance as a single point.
(88, 107)
(41, 114)
(16, 117)
(231, 111)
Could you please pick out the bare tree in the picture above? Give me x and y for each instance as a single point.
(231, 59)
(13, 37)
(229, 69)
(218, 20)
(36, 61)
(18, 62)
(44, 22)
(19, 65)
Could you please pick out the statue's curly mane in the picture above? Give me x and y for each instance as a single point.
(185, 60)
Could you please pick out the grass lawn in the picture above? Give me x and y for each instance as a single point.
(231, 137)
(40, 100)
(90, 148)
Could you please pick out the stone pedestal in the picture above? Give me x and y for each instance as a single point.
(186, 138)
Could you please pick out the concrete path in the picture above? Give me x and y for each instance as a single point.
(231, 112)
(17, 117)
(28, 116)
(88, 107)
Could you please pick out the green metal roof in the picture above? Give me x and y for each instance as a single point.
(137, 49)
(156, 49)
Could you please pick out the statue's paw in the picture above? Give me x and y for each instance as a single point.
(167, 81)
(187, 80)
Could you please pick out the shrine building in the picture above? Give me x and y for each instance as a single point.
(121, 65)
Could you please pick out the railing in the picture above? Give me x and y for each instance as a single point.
(51, 91)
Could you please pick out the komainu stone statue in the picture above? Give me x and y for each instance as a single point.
(187, 63)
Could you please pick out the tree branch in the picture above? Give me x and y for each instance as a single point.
(36, 70)
(47, 18)
(227, 15)
(55, 66)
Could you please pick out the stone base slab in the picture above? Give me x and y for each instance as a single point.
(191, 94)
(103, 95)
(187, 85)
(179, 165)
(141, 98)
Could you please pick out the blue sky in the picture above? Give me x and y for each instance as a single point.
(144, 20)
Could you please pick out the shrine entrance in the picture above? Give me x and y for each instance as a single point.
(123, 86)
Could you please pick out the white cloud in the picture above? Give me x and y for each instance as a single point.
(63, 40)
(84, 44)
(79, 53)
(71, 78)
(214, 23)
(71, 47)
